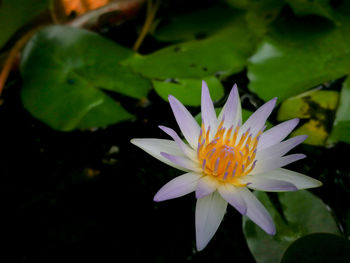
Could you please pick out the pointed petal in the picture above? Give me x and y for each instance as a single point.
(210, 211)
(276, 134)
(266, 184)
(188, 125)
(232, 195)
(183, 146)
(301, 181)
(179, 186)
(257, 212)
(155, 146)
(280, 149)
(231, 112)
(206, 185)
(273, 163)
(207, 108)
(183, 162)
(258, 119)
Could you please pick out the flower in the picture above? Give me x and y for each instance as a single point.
(224, 159)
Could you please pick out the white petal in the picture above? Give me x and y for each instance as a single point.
(232, 195)
(231, 112)
(206, 185)
(257, 212)
(177, 187)
(299, 180)
(183, 162)
(210, 211)
(277, 133)
(188, 125)
(183, 146)
(155, 146)
(257, 120)
(257, 182)
(273, 163)
(208, 111)
(280, 149)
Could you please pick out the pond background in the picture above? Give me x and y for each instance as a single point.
(87, 195)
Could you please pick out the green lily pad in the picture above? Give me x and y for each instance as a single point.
(259, 14)
(341, 126)
(318, 248)
(304, 213)
(299, 54)
(255, 4)
(194, 25)
(224, 52)
(318, 107)
(65, 71)
(188, 91)
(316, 7)
(16, 13)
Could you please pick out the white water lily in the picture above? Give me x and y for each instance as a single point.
(224, 159)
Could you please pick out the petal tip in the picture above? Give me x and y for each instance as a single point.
(171, 98)
(272, 232)
(303, 138)
(199, 246)
(134, 141)
(156, 198)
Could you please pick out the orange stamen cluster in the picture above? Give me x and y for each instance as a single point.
(228, 157)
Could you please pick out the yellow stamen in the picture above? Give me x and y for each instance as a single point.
(227, 157)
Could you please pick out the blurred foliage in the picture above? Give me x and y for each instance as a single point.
(313, 52)
(287, 47)
(315, 7)
(194, 25)
(219, 53)
(318, 247)
(317, 107)
(14, 14)
(180, 87)
(65, 71)
(341, 128)
(79, 79)
(303, 213)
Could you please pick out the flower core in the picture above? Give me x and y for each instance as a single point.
(229, 156)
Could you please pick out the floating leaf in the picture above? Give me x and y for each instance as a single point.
(318, 248)
(188, 91)
(258, 14)
(224, 52)
(16, 13)
(341, 126)
(65, 71)
(304, 214)
(318, 106)
(194, 25)
(315, 7)
(297, 55)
